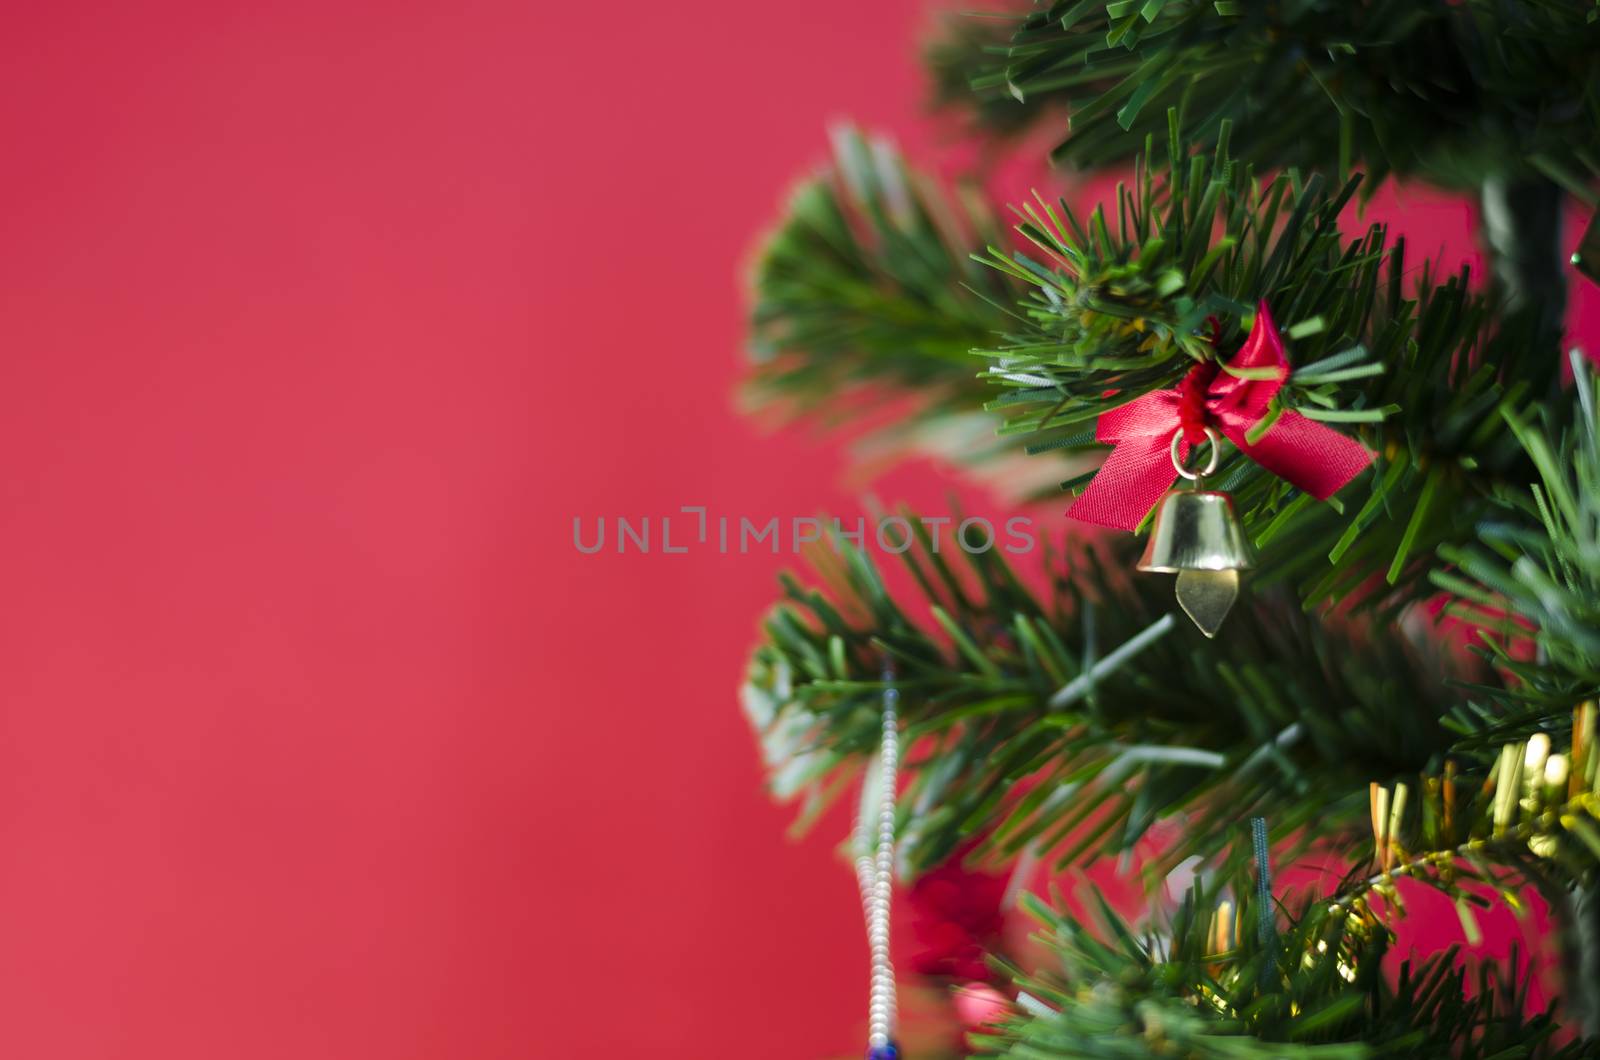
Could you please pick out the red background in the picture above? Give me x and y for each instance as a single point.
(318, 325)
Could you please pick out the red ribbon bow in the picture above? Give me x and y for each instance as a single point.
(1315, 458)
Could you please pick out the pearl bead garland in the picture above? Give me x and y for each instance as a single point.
(875, 877)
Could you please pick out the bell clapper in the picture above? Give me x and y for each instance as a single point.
(1196, 535)
(1207, 596)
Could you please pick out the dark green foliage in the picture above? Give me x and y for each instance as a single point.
(1282, 715)
(1533, 810)
(1210, 990)
(1538, 559)
(856, 291)
(966, 43)
(1069, 725)
(869, 280)
(1120, 306)
(1460, 91)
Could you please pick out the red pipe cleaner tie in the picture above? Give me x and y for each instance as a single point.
(1315, 458)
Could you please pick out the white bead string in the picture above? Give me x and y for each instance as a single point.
(875, 869)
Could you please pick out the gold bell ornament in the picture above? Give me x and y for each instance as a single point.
(1196, 535)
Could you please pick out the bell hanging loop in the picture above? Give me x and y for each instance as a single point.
(1211, 464)
(1197, 535)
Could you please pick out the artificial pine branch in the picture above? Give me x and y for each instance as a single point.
(1210, 988)
(1030, 729)
(1071, 725)
(1313, 989)
(966, 44)
(868, 281)
(1534, 811)
(1126, 300)
(1456, 90)
(865, 285)
(1531, 582)
(1531, 578)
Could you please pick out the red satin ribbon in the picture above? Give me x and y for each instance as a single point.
(1316, 458)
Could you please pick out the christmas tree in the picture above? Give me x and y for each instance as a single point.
(1226, 360)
